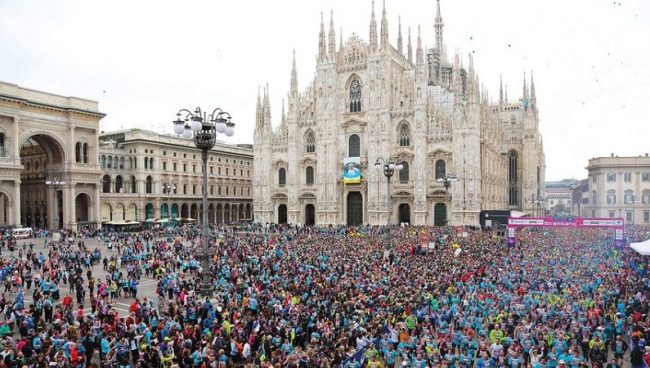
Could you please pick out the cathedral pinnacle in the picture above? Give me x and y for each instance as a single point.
(321, 41)
(332, 38)
(409, 49)
(399, 35)
(294, 75)
(533, 98)
(438, 27)
(525, 94)
(384, 29)
(500, 89)
(373, 29)
(419, 54)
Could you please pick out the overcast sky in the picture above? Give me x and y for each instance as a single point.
(143, 60)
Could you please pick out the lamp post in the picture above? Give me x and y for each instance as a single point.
(537, 203)
(389, 167)
(204, 129)
(167, 189)
(55, 183)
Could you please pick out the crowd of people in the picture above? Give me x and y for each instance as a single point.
(284, 296)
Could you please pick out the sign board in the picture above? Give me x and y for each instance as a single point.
(352, 170)
(574, 222)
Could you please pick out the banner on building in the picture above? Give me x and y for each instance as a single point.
(352, 170)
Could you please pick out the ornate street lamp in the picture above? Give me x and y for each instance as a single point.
(204, 129)
(447, 180)
(55, 183)
(389, 167)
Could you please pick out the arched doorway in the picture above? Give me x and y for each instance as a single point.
(440, 214)
(174, 211)
(149, 212)
(355, 209)
(82, 205)
(248, 211)
(211, 213)
(194, 211)
(241, 212)
(310, 215)
(282, 214)
(226, 214)
(132, 212)
(4, 210)
(42, 158)
(164, 211)
(404, 213)
(219, 214)
(185, 212)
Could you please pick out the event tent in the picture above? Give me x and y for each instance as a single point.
(642, 248)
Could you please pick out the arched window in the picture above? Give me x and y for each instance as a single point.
(404, 173)
(85, 153)
(404, 136)
(354, 146)
(103, 162)
(310, 142)
(106, 184)
(441, 169)
(151, 163)
(149, 185)
(134, 187)
(184, 188)
(282, 176)
(355, 96)
(118, 184)
(309, 175)
(121, 163)
(513, 182)
(146, 163)
(2, 144)
(611, 196)
(629, 197)
(109, 165)
(77, 152)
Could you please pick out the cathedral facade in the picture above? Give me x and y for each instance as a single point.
(372, 102)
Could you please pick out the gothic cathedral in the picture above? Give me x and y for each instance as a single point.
(372, 102)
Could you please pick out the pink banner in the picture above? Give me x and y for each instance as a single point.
(615, 223)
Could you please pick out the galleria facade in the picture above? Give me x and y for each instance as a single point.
(370, 100)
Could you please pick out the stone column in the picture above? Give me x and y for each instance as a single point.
(16, 203)
(96, 206)
(69, 210)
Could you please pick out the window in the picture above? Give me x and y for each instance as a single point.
(106, 184)
(645, 176)
(151, 163)
(513, 178)
(628, 197)
(2, 145)
(355, 96)
(146, 163)
(194, 189)
(248, 190)
(149, 185)
(184, 167)
(404, 136)
(134, 184)
(184, 188)
(611, 196)
(404, 173)
(227, 190)
(77, 152)
(354, 146)
(441, 169)
(645, 198)
(227, 171)
(211, 189)
(219, 190)
(611, 176)
(109, 165)
(211, 170)
(612, 214)
(282, 176)
(646, 216)
(241, 172)
(85, 153)
(118, 184)
(218, 171)
(310, 142)
(164, 165)
(174, 166)
(309, 175)
(241, 191)
(628, 216)
(193, 168)
(627, 177)
(248, 173)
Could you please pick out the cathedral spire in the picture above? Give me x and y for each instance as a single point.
(500, 89)
(506, 94)
(438, 27)
(322, 54)
(399, 35)
(340, 38)
(419, 54)
(266, 106)
(373, 29)
(284, 116)
(258, 110)
(384, 29)
(332, 38)
(409, 49)
(294, 76)
(533, 97)
(525, 94)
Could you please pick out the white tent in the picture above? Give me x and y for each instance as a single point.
(643, 248)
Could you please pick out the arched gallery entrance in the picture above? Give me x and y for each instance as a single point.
(42, 205)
